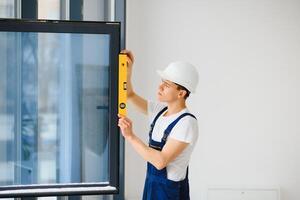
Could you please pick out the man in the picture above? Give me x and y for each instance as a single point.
(173, 131)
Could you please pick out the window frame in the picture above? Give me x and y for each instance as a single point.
(84, 27)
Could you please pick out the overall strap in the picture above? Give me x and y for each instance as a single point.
(155, 119)
(171, 126)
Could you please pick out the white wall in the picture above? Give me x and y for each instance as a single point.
(247, 53)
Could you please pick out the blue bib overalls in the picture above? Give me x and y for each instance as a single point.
(157, 185)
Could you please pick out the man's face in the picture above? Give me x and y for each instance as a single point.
(168, 91)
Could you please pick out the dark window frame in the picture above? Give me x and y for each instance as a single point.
(63, 26)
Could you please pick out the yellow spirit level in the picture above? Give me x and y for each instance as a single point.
(122, 84)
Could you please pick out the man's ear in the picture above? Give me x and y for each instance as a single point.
(182, 93)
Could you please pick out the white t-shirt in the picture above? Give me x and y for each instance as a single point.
(186, 130)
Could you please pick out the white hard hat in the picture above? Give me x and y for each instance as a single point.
(182, 73)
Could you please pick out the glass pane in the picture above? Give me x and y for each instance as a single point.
(7, 8)
(98, 10)
(8, 109)
(48, 9)
(54, 108)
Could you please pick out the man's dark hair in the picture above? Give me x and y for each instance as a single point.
(180, 87)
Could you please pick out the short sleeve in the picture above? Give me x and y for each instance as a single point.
(186, 130)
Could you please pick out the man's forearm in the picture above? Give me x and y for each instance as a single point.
(139, 102)
(149, 154)
(130, 91)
